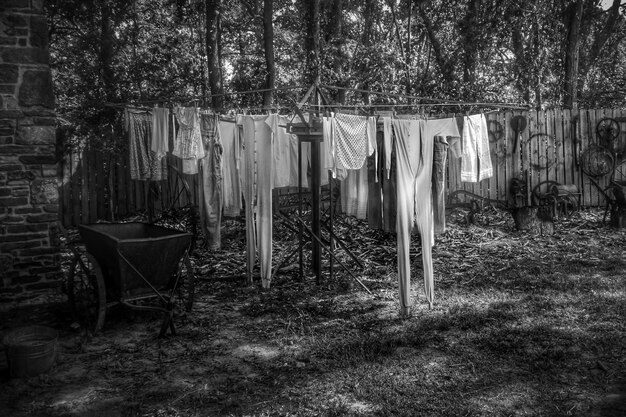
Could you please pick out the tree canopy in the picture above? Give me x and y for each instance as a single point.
(542, 53)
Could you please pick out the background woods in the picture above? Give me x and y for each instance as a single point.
(545, 54)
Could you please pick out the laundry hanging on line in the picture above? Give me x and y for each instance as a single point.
(348, 141)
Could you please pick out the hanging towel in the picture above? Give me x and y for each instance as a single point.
(476, 160)
(160, 131)
(232, 145)
(352, 141)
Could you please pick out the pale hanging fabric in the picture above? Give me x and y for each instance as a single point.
(476, 160)
(188, 143)
(414, 160)
(351, 140)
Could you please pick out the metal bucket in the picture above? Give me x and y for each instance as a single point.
(30, 350)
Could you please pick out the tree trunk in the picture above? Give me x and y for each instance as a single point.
(337, 40)
(601, 38)
(213, 53)
(470, 27)
(445, 66)
(573, 24)
(521, 64)
(268, 41)
(366, 41)
(312, 43)
(106, 52)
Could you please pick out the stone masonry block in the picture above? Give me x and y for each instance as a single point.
(27, 228)
(38, 159)
(25, 55)
(45, 285)
(9, 73)
(33, 135)
(6, 262)
(8, 219)
(13, 20)
(20, 192)
(38, 32)
(16, 176)
(49, 171)
(27, 210)
(45, 121)
(39, 112)
(14, 4)
(28, 279)
(8, 122)
(10, 167)
(8, 247)
(36, 89)
(40, 251)
(23, 237)
(13, 201)
(12, 150)
(7, 89)
(39, 218)
(37, 5)
(8, 40)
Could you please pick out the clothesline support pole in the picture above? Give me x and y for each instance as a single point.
(319, 242)
(301, 243)
(332, 243)
(315, 197)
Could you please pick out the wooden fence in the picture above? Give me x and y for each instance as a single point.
(97, 187)
(548, 149)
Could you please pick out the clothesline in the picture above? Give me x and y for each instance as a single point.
(365, 106)
(207, 97)
(437, 102)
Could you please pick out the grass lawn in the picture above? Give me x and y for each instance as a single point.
(522, 326)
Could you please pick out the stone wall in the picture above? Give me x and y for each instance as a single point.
(29, 249)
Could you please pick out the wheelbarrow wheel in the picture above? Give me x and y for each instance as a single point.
(86, 292)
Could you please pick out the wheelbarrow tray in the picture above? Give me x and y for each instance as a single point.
(136, 258)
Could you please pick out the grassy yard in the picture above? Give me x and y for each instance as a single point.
(522, 326)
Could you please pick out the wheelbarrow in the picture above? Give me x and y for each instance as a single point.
(139, 265)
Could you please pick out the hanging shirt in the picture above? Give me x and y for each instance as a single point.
(188, 144)
(285, 153)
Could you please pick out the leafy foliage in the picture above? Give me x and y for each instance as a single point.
(474, 50)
